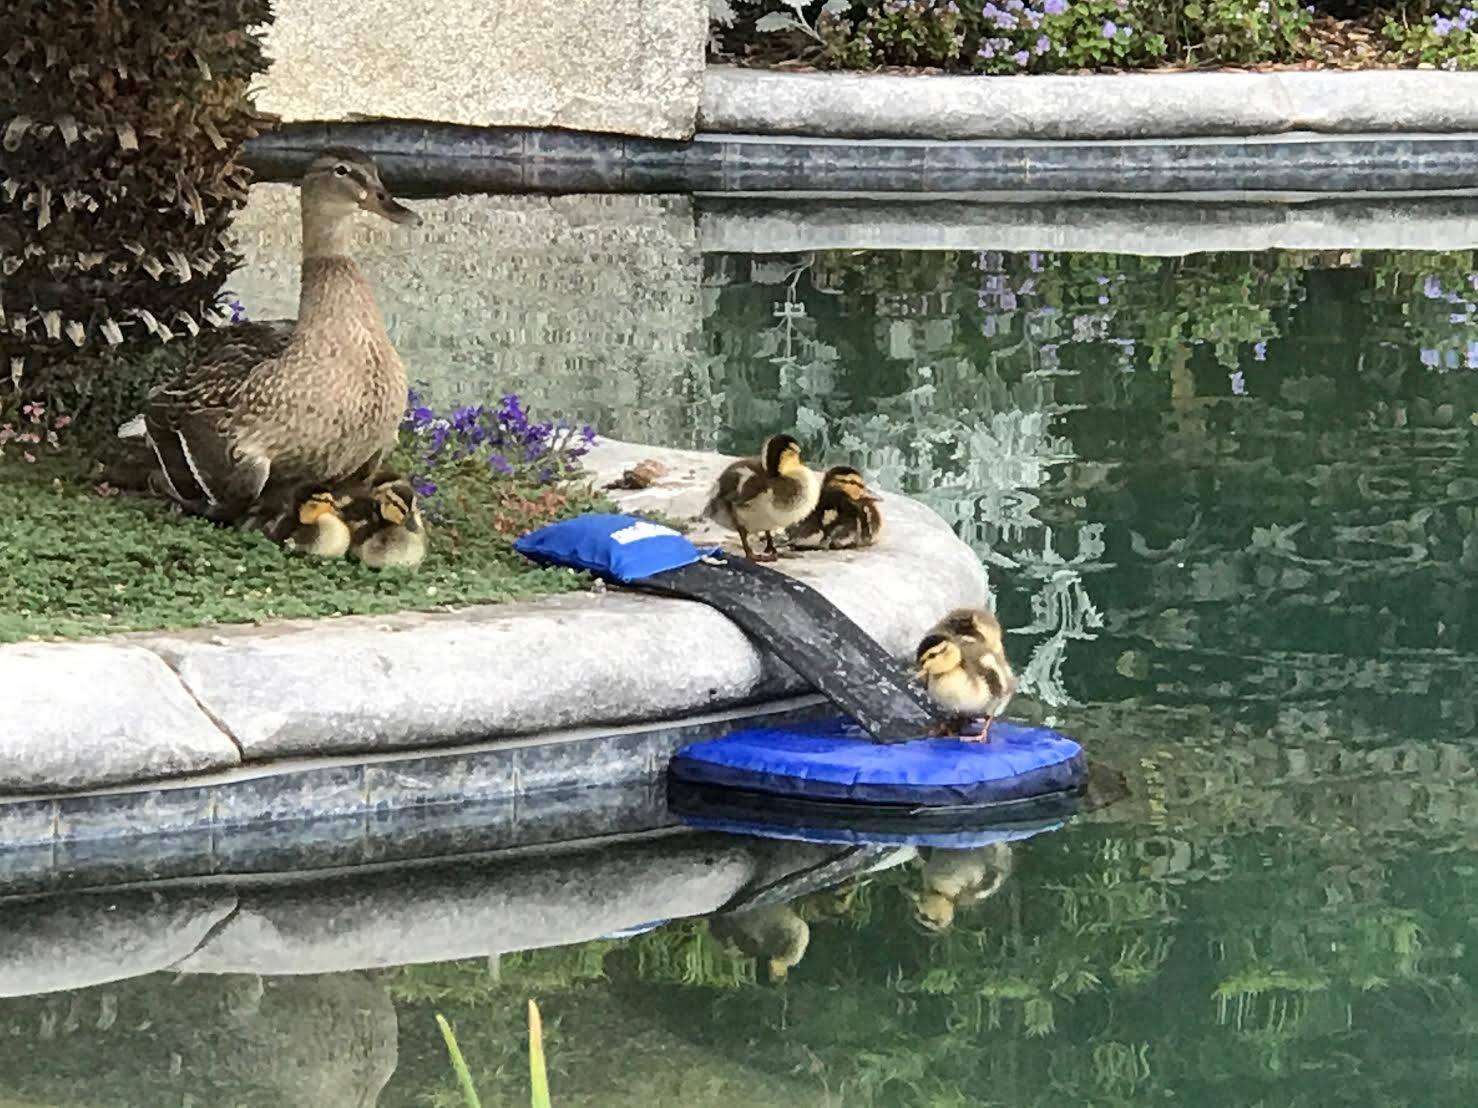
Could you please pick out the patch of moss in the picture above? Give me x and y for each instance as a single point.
(74, 562)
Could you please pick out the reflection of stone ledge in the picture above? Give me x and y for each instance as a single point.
(460, 907)
(555, 678)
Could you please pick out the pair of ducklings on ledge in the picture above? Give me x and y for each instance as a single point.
(380, 525)
(776, 491)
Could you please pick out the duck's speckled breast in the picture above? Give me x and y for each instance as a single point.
(336, 395)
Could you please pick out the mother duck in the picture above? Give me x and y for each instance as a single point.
(266, 406)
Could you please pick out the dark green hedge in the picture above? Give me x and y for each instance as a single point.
(120, 123)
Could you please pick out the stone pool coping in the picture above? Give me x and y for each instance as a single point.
(291, 712)
(1086, 106)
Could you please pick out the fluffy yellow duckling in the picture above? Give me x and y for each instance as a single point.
(963, 665)
(846, 514)
(388, 531)
(953, 879)
(775, 933)
(764, 494)
(321, 529)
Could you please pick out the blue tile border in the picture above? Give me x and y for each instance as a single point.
(345, 799)
(430, 158)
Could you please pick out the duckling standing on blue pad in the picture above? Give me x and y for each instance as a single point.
(963, 666)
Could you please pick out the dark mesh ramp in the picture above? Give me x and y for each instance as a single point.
(811, 635)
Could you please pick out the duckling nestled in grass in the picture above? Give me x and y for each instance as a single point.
(764, 494)
(321, 529)
(846, 516)
(387, 528)
(963, 665)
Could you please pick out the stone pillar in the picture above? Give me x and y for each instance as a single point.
(628, 66)
(586, 306)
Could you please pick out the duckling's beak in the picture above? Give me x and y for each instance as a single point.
(379, 201)
(413, 521)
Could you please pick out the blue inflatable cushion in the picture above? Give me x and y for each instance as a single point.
(835, 760)
(623, 548)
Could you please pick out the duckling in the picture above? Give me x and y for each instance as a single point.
(321, 530)
(846, 514)
(387, 528)
(953, 879)
(766, 493)
(963, 665)
(775, 933)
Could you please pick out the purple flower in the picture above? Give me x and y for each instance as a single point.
(1043, 44)
(1429, 356)
(1021, 57)
(1260, 350)
(1432, 288)
(588, 434)
(1441, 26)
(1472, 355)
(1055, 7)
(1239, 384)
(1110, 29)
(424, 487)
(238, 311)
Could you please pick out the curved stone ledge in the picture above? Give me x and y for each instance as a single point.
(1092, 106)
(80, 715)
(364, 687)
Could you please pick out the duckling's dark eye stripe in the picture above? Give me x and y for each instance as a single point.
(358, 177)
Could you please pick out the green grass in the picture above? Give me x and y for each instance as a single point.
(75, 563)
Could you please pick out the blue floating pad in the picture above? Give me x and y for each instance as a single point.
(835, 761)
(619, 547)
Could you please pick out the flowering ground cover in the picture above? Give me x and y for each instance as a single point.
(77, 557)
(1057, 36)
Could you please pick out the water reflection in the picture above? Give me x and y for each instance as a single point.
(1230, 508)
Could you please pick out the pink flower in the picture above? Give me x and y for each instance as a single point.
(29, 457)
(63, 421)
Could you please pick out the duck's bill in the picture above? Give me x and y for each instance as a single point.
(382, 203)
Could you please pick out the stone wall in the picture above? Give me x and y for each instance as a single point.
(587, 306)
(629, 66)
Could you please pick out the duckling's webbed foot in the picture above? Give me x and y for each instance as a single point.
(976, 730)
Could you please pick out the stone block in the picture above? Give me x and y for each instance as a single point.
(631, 67)
(79, 715)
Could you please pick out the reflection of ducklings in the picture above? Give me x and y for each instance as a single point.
(320, 530)
(387, 527)
(764, 494)
(846, 515)
(775, 933)
(955, 878)
(963, 665)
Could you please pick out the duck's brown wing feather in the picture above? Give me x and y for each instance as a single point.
(221, 361)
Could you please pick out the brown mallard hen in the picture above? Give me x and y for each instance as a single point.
(320, 404)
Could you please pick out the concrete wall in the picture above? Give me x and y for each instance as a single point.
(628, 66)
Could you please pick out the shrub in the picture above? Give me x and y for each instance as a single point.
(1040, 36)
(120, 121)
(1444, 34)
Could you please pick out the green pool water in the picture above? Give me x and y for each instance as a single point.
(1229, 508)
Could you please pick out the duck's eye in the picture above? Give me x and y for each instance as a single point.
(341, 171)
